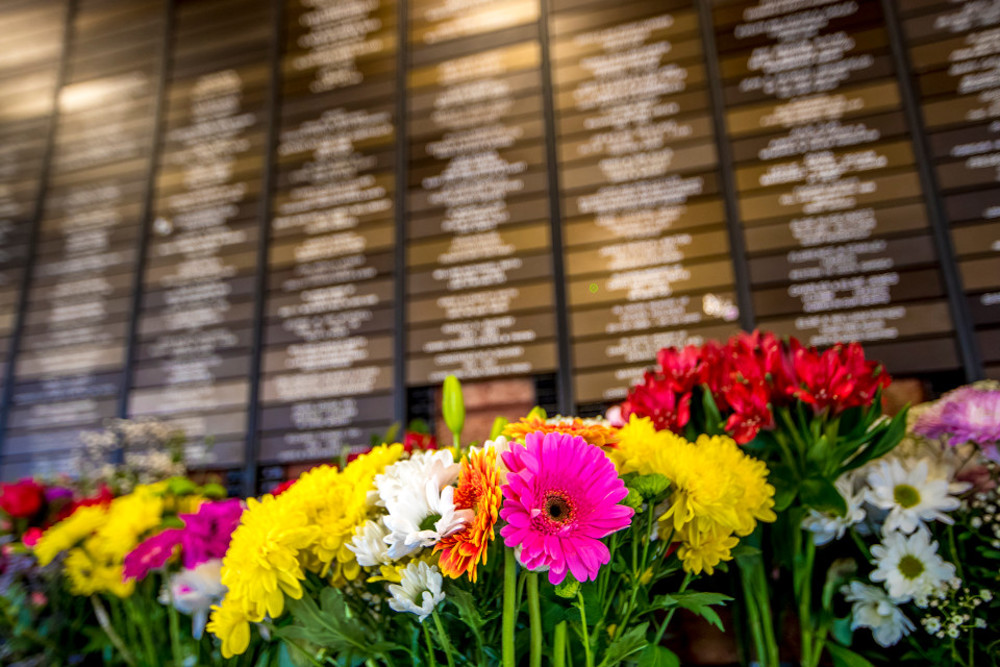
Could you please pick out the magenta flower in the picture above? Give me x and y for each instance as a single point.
(151, 554)
(206, 533)
(967, 414)
(560, 499)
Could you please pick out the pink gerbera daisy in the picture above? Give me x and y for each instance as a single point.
(560, 499)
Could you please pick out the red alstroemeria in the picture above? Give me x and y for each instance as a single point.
(284, 486)
(656, 399)
(836, 379)
(751, 411)
(414, 441)
(681, 368)
(23, 499)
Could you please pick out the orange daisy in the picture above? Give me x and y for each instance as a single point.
(478, 490)
(597, 432)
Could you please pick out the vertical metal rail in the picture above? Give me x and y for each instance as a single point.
(400, 402)
(146, 214)
(737, 243)
(36, 223)
(252, 442)
(566, 400)
(968, 349)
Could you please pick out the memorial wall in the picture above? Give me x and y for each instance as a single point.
(280, 224)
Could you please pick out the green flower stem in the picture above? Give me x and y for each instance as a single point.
(509, 606)
(812, 641)
(116, 641)
(756, 593)
(443, 636)
(175, 630)
(559, 645)
(535, 617)
(430, 646)
(588, 658)
(670, 614)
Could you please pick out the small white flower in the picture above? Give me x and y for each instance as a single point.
(194, 591)
(368, 545)
(953, 632)
(826, 526)
(873, 609)
(932, 624)
(436, 466)
(419, 590)
(912, 496)
(910, 567)
(420, 517)
(986, 595)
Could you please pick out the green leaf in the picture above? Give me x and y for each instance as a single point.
(786, 486)
(844, 657)
(468, 611)
(453, 405)
(419, 426)
(696, 602)
(213, 491)
(626, 645)
(658, 656)
(821, 495)
(882, 440)
(713, 418)
(568, 588)
(181, 486)
(538, 412)
(841, 630)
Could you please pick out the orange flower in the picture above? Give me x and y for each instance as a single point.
(478, 490)
(597, 432)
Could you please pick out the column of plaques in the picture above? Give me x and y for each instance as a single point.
(31, 41)
(646, 247)
(478, 255)
(69, 370)
(195, 328)
(954, 51)
(328, 356)
(830, 202)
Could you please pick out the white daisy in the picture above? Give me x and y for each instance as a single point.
(419, 590)
(368, 544)
(826, 526)
(420, 517)
(910, 567)
(873, 609)
(194, 591)
(912, 495)
(434, 465)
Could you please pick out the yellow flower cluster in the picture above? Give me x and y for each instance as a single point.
(98, 538)
(718, 493)
(279, 539)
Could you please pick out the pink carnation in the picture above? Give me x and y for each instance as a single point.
(560, 499)
(207, 532)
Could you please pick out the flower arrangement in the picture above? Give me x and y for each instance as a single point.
(577, 526)
(812, 416)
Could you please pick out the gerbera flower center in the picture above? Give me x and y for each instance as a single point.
(557, 508)
(906, 496)
(911, 567)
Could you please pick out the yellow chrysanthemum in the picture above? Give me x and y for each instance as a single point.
(69, 532)
(703, 550)
(231, 625)
(262, 564)
(98, 538)
(717, 492)
(597, 432)
(637, 441)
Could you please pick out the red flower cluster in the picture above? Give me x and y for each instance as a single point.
(23, 499)
(749, 376)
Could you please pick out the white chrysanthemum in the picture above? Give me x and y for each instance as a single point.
(436, 466)
(194, 591)
(420, 517)
(419, 590)
(910, 567)
(873, 609)
(368, 544)
(911, 495)
(826, 526)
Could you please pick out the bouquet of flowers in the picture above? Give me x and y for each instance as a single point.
(91, 546)
(813, 416)
(39, 622)
(574, 526)
(925, 524)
